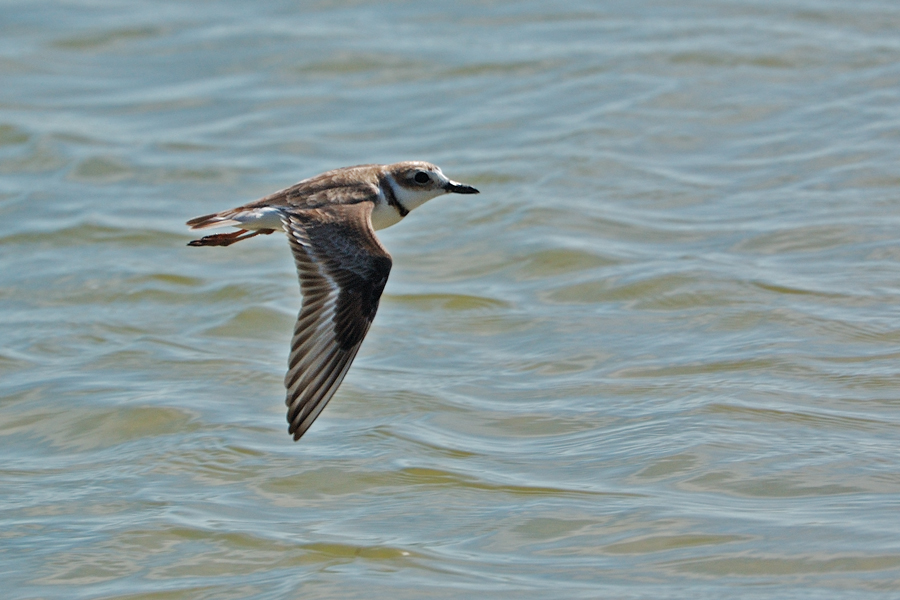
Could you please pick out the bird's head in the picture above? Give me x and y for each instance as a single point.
(417, 182)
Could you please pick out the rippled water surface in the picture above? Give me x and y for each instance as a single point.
(657, 357)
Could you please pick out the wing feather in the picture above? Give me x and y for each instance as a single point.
(343, 269)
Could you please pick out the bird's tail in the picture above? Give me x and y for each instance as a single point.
(222, 219)
(219, 219)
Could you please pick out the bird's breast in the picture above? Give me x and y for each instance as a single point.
(384, 215)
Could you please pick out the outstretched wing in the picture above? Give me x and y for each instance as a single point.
(343, 269)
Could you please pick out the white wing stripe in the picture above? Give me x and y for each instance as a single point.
(330, 245)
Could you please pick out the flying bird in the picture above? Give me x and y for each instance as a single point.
(330, 221)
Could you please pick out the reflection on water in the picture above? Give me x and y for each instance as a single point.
(655, 358)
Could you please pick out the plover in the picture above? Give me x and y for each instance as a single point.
(330, 221)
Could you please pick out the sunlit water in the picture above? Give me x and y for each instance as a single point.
(657, 357)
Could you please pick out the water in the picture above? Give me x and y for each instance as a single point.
(655, 358)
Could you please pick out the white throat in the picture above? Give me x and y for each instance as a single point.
(396, 201)
(411, 199)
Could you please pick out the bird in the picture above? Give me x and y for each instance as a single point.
(330, 222)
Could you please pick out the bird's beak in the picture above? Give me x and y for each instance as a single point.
(459, 188)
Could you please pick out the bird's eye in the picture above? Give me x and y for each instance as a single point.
(422, 177)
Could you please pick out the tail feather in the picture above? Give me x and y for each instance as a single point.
(213, 220)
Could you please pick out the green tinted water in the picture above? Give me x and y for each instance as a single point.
(655, 358)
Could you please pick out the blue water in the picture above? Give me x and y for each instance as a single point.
(655, 358)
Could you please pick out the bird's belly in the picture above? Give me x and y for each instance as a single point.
(259, 218)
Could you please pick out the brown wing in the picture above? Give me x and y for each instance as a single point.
(343, 269)
(348, 185)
